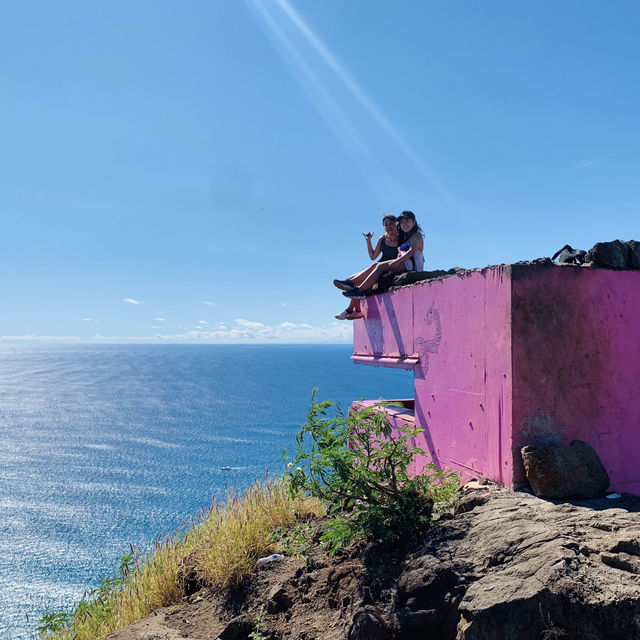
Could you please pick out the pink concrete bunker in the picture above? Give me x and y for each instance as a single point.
(513, 355)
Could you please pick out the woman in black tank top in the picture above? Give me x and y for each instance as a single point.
(388, 243)
(386, 248)
(388, 252)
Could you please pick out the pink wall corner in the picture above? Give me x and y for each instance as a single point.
(463, 379)
(499, 370)
(388, 326)
(576, 354)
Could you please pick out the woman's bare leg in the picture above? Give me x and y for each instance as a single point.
(362, 275)
(375, 274)
(354, 305)
(380, 269)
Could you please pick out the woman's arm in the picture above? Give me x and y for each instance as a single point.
(417, 244)
(374, 253)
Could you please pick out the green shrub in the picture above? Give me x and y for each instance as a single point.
(359, 465)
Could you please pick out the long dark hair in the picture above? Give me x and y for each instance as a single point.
(404, 237)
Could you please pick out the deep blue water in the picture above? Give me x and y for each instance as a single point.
(102, 446)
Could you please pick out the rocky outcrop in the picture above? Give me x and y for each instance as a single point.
(614, 255)
(506, 566)
(391, 280)
(573, 471)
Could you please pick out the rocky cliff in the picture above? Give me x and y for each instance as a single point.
(507, 565)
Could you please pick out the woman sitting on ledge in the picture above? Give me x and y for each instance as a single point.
(386, 248)
(410, 258)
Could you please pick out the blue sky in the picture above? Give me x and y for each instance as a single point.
(201, 171)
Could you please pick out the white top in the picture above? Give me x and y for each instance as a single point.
(417, 259)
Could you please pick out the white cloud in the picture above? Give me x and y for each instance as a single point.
(243, 331)
(99, 337)
(156, 326)
(202, 322)
(32, 337)
(208, 303)
(92, 320)
(131, 301)
(592, 162)
(287, 305)
(248, 331)
(249, 324)
(159, 319)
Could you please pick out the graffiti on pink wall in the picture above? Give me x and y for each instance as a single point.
(514, 355)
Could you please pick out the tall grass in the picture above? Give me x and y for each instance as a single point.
(219, 550)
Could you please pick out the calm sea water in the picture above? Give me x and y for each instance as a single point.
(102, 446)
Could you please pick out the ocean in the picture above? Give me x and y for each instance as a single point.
(106, 446)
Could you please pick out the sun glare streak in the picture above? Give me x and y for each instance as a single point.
(363, 98)
(348, 137)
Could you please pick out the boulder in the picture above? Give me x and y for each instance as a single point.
(368, 624)
(634, 254)
(609, 254)
(560, 472)
(278, 599)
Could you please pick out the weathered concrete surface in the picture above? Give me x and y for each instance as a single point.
(513, 355)
(572, 471)
(508, 566)
(461, 356)
(576, 354)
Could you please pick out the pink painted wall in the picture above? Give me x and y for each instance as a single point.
(457, 332)
(514, 355)
(387, 333)
(576, 345)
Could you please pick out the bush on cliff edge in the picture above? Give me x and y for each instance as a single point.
(359, 465)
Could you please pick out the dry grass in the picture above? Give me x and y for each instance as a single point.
(241, 530)
(221, 548)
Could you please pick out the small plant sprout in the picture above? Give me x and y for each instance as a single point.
(261, 625)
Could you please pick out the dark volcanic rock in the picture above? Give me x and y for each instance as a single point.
(368, 624)
(428, 589)
(609, 254)
(565, 472)
(634, 254)
(394, 280)
(513, 567)
(237, 629)
(278, 600)
(187, 577)
(410, 277)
